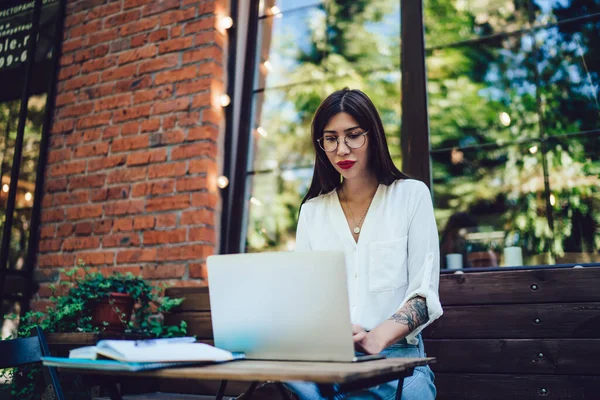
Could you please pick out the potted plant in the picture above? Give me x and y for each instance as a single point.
(89, 301)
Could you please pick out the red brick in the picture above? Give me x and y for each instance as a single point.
(74, 19)
(61, 199)
(133, 84)
(212, 116)
(65, 230)
(138, 40)
(50, 245)
(167, 170)
(137, 54)
(83, 228)
(123, 240)
(132, 113)
(206, 132)
(204, 99)
(112, 193)
(66, 59)
(200, 149)
(169, 121)
(171, 17)
(94, 120)
(145, 24)
(198, 217)
(191, 183)
(163, 271)
(178, 44)
(123, 18)
(203, 234)
(124, 207)
(130, 128)
(103, 226)
(210, 37)
(204, 199)
(85, 29)
(130, 143)
(206, 68)
(158, 7)
(135, 3)
(87, 181)
(205, 165)
(193, 86)
(186, 252)
(83, 212)
(118, 45)
(127, 175)
(110, 103)
(150, 125)
(90, 150)
(102, 37)
(97, 257)
(188, 119)
(73, 44)
(200, 24)
(147, 95)
(98, 64)
(47, 231)
(75, 110)
(106, 162)
(55, 156)
(171, 137)
(134, 256)
(175, 202)
(77, 138)
(166, 220)
(126, 71)
(198, 270)
(56, 185)
(164, 237)
(159, 35)
(55, 260)
(164, 107)
(79, 243)
(81, 81)
(65, 73)
(97, 91)
(175, 75)
(62, 126)
(123, 225)
(175, 31)
(65, 98)
(144, 222)
(111, 132)
(147, 157)
(67, 168)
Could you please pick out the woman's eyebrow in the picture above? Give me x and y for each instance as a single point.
(345, 130)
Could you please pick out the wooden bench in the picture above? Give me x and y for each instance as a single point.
(518, 334)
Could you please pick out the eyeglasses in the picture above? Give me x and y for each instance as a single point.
(355, 140)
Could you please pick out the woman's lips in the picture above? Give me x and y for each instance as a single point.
(346, 164)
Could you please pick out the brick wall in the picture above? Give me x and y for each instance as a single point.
(133, 158)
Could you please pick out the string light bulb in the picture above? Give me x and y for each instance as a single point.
(504, 118)
(222, 182)
(268, 66)
(225, 100)
(28, 196)
(226, 23)
(261, 131)
(533, 149)
(552, 199)
(276, 12)
(5, 188)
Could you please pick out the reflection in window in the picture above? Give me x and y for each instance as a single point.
(304, 53)
(514, 114)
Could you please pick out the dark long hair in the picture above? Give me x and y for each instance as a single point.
(361, 108)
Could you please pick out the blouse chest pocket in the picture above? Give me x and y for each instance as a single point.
(387, 264)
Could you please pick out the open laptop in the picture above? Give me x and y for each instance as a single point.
(282, 306)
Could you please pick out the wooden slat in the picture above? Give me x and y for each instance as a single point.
(517, 321)
(282, 371)
(198, 323)
(527, 356)
(195, 298)
(516, 387)
(502, 287)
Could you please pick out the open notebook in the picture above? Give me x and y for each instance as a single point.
(136, 355)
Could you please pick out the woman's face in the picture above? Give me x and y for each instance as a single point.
(349, 162)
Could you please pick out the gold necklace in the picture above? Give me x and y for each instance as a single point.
(356, 229)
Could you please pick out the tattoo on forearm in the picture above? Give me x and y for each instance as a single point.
(413, 314)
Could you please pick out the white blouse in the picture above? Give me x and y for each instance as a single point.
(397, 255)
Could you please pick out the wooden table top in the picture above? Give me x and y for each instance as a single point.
(257, 370)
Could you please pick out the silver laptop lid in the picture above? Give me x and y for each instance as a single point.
(281, 306)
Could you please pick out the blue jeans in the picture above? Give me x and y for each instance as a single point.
(418, 386)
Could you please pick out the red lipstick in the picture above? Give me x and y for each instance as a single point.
(346, 164)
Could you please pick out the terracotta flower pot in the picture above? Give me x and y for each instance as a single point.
(112, 313)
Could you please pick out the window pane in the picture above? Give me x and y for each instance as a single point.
(265, 6)
(274, 207)
(569, 77)
(21, 229)
(363, 37)
(483, 94)
(288, 42)
(574, 171)
(9, 118)
(487, 199)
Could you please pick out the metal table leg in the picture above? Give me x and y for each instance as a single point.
(221, 392)
(250, 390)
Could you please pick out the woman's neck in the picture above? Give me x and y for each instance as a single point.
(359, 189)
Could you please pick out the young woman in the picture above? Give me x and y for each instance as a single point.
(360, 203)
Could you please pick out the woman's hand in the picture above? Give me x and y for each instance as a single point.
(365, 342)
